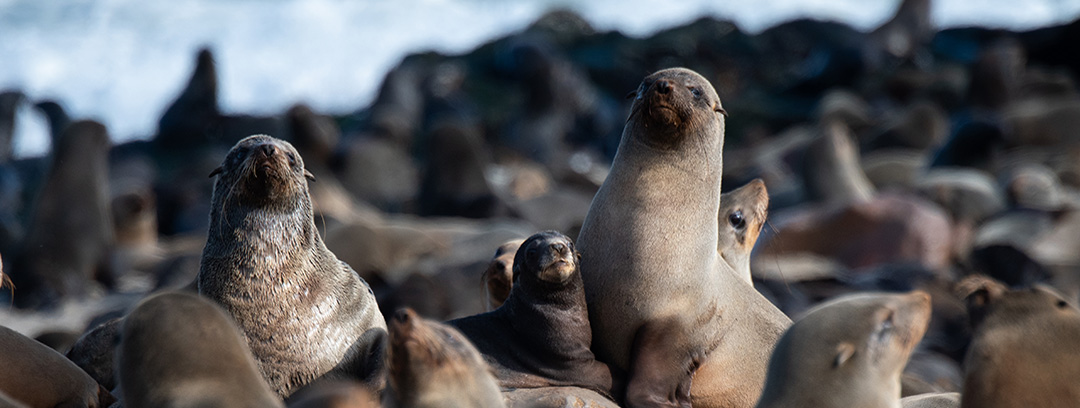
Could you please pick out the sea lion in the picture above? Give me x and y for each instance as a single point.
(661, 299)
(95, 352)
(743, 213)
(304, 313)
(541, 336)
(39, 377)
(179, 349)
(1023, 350)
(334, 394)
(848, 352)
(831, 168)
(499, 275)
(433, 365)
(71, 231)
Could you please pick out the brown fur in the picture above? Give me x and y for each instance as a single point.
(305, 314)
(40, 377)
(661, 299)
(433, 365)
(541, 336)
(181, 350)
(848, 352)
(1023, 351)
(499, 275)
(743, 213)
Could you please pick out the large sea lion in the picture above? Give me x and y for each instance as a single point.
(304, 313)
(433, 365)
(540, 337)
(848, 352)
(179, 349)
(71, 231)
(661, 299)
(40, 377)
(1023, 350)
(743, 212)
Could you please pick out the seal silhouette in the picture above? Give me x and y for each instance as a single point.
(305, 314)
(661, 299)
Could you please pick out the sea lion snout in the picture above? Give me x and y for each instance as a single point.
(557, 262)
(266, 150)
(663, 87)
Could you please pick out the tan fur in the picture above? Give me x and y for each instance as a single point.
(432, 365)
(932, 400)
(181, 350)
(743, 213)
(848, 352)
(40, 377)
(499, 275)
(650, 262)
(1023, 351)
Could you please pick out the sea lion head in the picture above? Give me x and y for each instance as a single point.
(499, 275)
(547, 257)
(261, 170)
(431, 361)
(849, 351)
(743, 212)
(674, 103)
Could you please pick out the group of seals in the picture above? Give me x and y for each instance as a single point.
(540, 337)
(305, 314)
(180, 350)
(661, 300)
(848, 352)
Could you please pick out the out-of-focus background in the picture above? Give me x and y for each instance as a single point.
(904, 145)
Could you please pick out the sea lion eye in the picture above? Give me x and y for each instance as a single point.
(737, 220)
(696, 92)
(292, 159)
(1061, 304)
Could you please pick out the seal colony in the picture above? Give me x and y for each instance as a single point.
(305, 314)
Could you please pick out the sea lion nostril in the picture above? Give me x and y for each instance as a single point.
(402, 316)
(559, 248)
(663, 86)
(267, 150)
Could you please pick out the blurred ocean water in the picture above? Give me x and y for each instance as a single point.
(122, 61)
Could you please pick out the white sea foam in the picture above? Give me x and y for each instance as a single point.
(122, 61)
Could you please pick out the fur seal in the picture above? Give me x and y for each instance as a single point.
(1022, 352)
(179, 349)
(848, 352)
(541, 336)
(661, 299)
(433, 365)
(39, 377)
(71, 232)
(743, 213)
(305, 313)
(95, 352)
(499, 275)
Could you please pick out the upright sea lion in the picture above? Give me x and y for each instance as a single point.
(499, 275)
(1023, 350)
(433, 365)
(743, 212)
(661, 299)
(71, 231)
(848, 352)
(181, 350)
(305, 314)
(541, 336)
(39, 377)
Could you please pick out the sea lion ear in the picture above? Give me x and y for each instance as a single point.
(309, 176)
(843, 353)
(632, 94)
(216, 171)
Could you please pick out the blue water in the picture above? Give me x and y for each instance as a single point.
(122, 61)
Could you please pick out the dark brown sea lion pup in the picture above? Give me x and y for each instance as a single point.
(179, 349)
(1024, 349)
(743, 212)
(499, 275)
(848, 352)
(432, 365)
(661, 299)
(305, 314)
(71, 231)
(541, 337)
(39, 377)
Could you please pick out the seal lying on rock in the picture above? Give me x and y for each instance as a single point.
(304, 313)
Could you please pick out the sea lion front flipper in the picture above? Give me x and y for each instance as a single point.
(657, 379)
